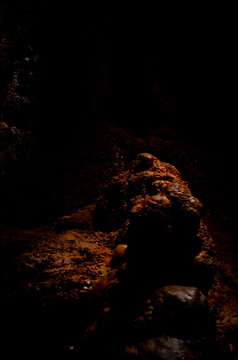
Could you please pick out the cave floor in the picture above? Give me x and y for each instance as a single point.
(50, 262)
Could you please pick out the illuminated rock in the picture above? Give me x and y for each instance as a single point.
(147, 176)
(118, 256)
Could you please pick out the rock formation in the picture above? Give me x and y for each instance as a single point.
(153, 302)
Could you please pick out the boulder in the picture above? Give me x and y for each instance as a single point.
(159, 348)
(183, 311)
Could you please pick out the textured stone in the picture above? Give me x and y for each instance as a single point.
(153, 190)
(183, 311)
(160, 348)
(118, 256)
(146, 176)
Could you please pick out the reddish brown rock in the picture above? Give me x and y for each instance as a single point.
(119, 255)
(157, 216)
(147, 176)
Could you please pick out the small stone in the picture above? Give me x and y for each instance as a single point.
(118, 255)
(69, 348)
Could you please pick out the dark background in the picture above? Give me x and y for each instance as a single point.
(104, 61)
(119, 54)
(141, 69)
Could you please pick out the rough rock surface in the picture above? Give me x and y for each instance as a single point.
(157, 217)
(161, 240)
(161, 348)
(58, 265)
(151, 189)
(185, 310)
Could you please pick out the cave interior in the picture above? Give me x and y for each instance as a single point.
(83, 91)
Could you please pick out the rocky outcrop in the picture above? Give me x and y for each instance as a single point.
(158, 219)
(158, 276)
(154, 192)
